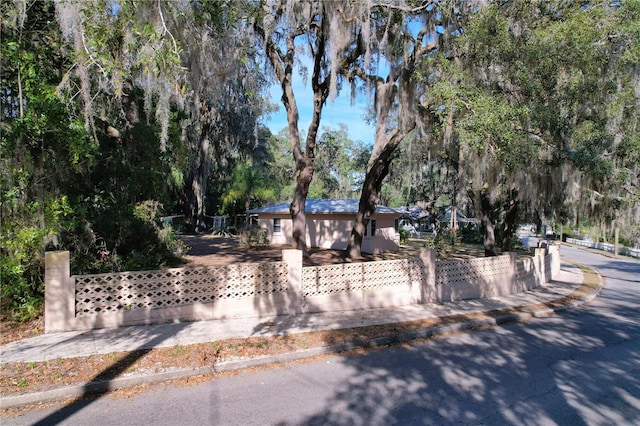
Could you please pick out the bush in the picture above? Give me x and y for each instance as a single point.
(471, 234)
(22, 242)
(21, 272)
(134, 240)
(254, 237)
(444, 243)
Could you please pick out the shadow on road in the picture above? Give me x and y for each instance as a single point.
(579, 367)
(101, 383)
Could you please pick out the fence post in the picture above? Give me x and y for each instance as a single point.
(554, 251)
(293, 259)
(540, 267)
(59, 292)
(513, 284)
(428, 286)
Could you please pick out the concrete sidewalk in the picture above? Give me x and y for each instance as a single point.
(102, 341)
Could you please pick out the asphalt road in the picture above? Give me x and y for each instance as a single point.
(579, 367)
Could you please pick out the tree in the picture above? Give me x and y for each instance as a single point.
(517, 100)
(396, 97)
(196, 57)
(251, 181)
(330, 38)
(280, 167)
(116, 45)
(40, 149)
(85, 165)
(225, 100)
(564, 64)
(339, 162)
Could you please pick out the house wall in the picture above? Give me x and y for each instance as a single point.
(265, 221)
(332, 231)
(386, 238)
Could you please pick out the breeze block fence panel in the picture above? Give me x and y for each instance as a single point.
(84, 302)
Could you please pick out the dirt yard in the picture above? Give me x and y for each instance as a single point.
(209, 250)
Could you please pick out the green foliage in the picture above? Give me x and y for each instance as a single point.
(41, 146)
(21, 269)
(404, 235)
(444, 243)
(339, 165)
(590, 143)
(254, 237)
(136, 242)
(118, 207)
(495, 125)
(471, 234)
(250, 186)
(280, 166)
(542, 94)
(59, 187)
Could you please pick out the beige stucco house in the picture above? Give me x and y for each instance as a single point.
(329, 224)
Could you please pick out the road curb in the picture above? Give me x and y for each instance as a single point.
(101, 387)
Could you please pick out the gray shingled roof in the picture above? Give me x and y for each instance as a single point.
(322, 206)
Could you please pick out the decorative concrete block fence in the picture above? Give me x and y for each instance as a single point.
(83, 302)
(627, 251)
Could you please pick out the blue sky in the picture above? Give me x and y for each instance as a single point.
(340, 111)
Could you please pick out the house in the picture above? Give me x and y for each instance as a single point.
(415, 220)
(329, 225)
(459, 221)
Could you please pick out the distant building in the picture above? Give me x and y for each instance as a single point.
(329, 225)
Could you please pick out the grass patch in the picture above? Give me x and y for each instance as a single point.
(177, 351)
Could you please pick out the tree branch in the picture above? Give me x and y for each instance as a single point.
(166, 30)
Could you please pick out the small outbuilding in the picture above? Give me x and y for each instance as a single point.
(329, 225)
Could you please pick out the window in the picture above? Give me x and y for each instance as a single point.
(370, 231)
(396, 225)
(277, 225)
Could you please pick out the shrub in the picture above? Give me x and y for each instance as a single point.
(404, 235)
(21, 272)
(254, 237)
(134, 239)
(444, 242)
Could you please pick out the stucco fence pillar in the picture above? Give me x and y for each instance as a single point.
(59, 292)
(554, 251)
(426, 292)
(293, 259)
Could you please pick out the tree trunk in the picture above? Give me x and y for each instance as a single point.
(394, 90)
(247, 205)
(304, 174)
(130, 104)
(510, 223)
(384, 147)
(199, 187)
(283, 65)
(200, 167)
(368, 203)
(489, 238)
(377, 171)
